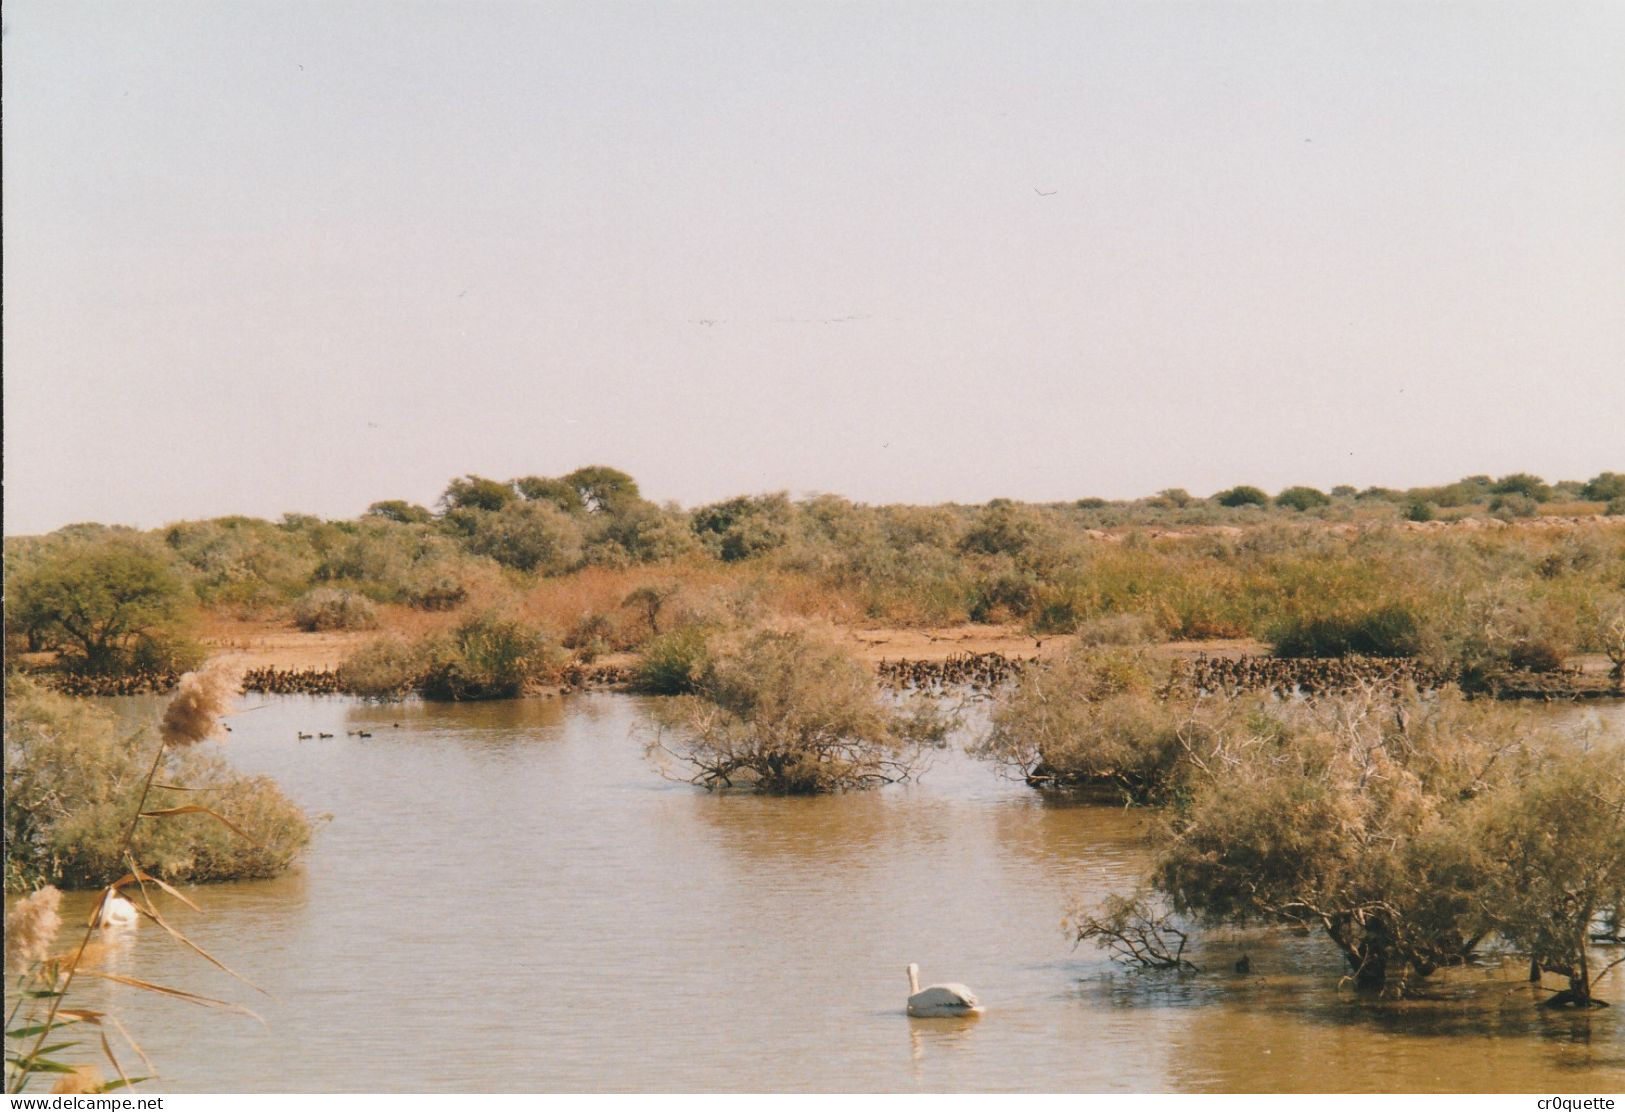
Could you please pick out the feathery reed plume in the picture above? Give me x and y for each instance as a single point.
(194, 713)
(83, 1079)
(31, 928)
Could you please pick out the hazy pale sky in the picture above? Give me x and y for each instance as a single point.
(271, 256)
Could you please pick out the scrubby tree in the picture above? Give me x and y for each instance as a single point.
(1007, 528)
(72, 780)
(534, 488)
(786, 712)
(529, 536)
(1530, 486)
(1559, 843)
(1098, 717)
(641, 532)
(603, 489)
(1176, 497)
(1604, 488)
(1242, 496)
(473, 492)
(107, 603)
(1301, 498)
(746, 526)
(1357, 817)
(406, 513)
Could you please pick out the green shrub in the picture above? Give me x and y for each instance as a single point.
(1615, 507)
(1006, 528)
(530, 536)
(404, 513)
(1420, 511)
(1530, 486)
(1381, 631)
(1301, 498)
(472, 492)
(673, 663)
(72, 780)
(328, 608)
(1004, 596)
(1242, 496)
(1606, 487)
(744, 527)
(486, 657)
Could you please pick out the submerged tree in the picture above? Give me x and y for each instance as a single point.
(1097, 717)
(1558, 842)
(793, 714)
(1358, 816)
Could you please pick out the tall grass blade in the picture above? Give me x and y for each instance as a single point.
(152, 913)
(107, 1049)
(178, 994)
(194, 809)
(136, 875)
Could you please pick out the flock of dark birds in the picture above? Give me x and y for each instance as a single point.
(1219, 675)
(147, 681)
(292, 681)
(981, 672)
(1208, 675)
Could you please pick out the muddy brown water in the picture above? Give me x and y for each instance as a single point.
(508, 898)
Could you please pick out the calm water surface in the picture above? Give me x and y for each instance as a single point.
(508, 898)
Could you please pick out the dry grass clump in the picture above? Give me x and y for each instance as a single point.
(31, 927)
(194, 712)
(387, 667)
(328, 608)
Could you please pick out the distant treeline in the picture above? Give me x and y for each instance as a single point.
(596, 567)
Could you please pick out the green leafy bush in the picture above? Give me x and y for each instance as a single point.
(1606, 487)
(1530, 486)
(1242, 496)
(674, 662)
(72, 778)
(1381, 631)
(486, 657)
(106, 603)
(1301, 498)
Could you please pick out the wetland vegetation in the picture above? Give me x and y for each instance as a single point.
(1350, 782)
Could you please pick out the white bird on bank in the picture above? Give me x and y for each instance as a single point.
(935, 1001)
(116, 912)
